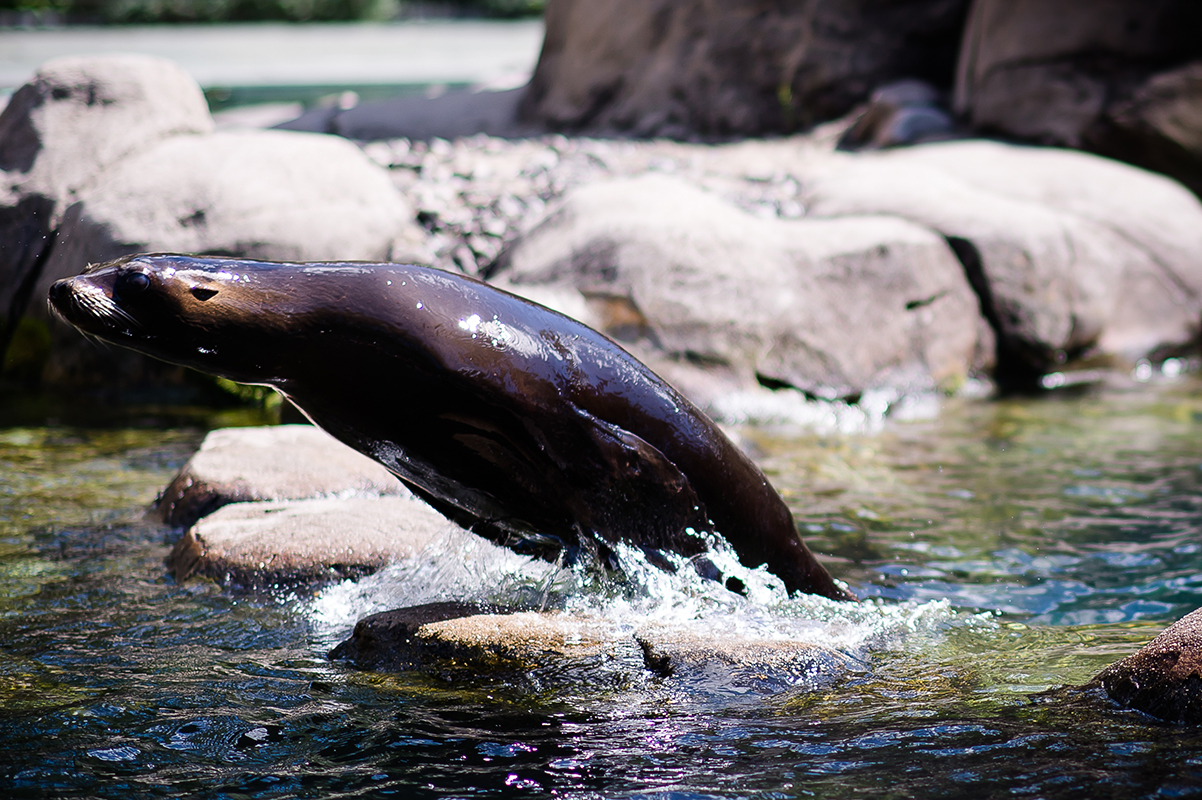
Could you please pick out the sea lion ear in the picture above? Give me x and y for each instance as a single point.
(203, 293)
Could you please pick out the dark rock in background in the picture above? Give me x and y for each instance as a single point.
(1114, 76)
(741, 67)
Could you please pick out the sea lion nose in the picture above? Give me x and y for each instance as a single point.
(59, 290)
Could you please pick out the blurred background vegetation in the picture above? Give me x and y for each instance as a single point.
(152, 11)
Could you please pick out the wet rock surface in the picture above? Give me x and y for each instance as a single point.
(454, 640)
(280, 462)
(306, 542)
(1164, 678)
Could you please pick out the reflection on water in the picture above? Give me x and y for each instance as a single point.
(1007, 547)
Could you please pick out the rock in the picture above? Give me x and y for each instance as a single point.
(833, 307)
(452, 115)
(669, 68)
(1081, 73)
(280, 462)
(468, 641)
(899, 113)
(1072, 255)
(1159, 126)
(445, 640)
(717, 664)
(1164, 678)
(75, 117)
(272, 195)
(262, 545)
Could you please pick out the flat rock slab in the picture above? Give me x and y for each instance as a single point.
(261, 545)
(460, 640)
(280, 462)
(762, 666)
(1164, 678)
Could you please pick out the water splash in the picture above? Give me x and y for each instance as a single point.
(465, 568)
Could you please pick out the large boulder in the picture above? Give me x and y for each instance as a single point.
(671, 68)
(75, 117)
(832, 307)
(1072, 255)
(1104, 75)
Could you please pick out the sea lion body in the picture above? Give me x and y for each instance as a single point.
(524, 425)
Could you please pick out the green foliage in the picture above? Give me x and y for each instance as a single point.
(255, 396)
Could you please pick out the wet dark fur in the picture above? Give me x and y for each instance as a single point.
(515, 421)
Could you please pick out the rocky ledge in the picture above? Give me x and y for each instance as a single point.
(762, 269)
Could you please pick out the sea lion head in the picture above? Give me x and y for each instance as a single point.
(210, 314)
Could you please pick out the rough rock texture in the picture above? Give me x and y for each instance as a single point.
(672, 68)
(279, 462)
(1098, 74)
(443, 639)
(459, 640)
(830, 306)
(764, 666)
(1072, 254)
(261, 545)
(75, 117)
(1163, 679)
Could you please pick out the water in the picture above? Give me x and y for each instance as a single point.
(1004, 548)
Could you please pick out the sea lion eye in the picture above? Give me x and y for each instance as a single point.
(131, 283)
(201, 293)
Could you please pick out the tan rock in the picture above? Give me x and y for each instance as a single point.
(262, 545)
(281, 462)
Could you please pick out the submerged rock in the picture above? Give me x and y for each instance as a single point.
(280, 462)
(263, 545)
(465, 641)
(1164, 678)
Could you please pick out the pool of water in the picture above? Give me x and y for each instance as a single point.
(1010, 546)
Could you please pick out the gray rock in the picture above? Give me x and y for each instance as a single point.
(673, 68)
(271, 545)
(280, 462)
(830, 306)
(1164, 678)
(75, 117)
(1072, 254)
(452, 115)
(273, 195)
(899, 113)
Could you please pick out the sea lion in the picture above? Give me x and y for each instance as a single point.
(515, 421)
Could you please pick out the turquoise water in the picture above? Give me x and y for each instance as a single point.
(1062, 532)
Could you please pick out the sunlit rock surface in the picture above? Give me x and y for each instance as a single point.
(261, 545)
(832, 307)
(1071, 254)
(1163, 679)
(451, 640)
(279, 462)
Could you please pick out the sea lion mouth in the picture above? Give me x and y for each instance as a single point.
(91, 308)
